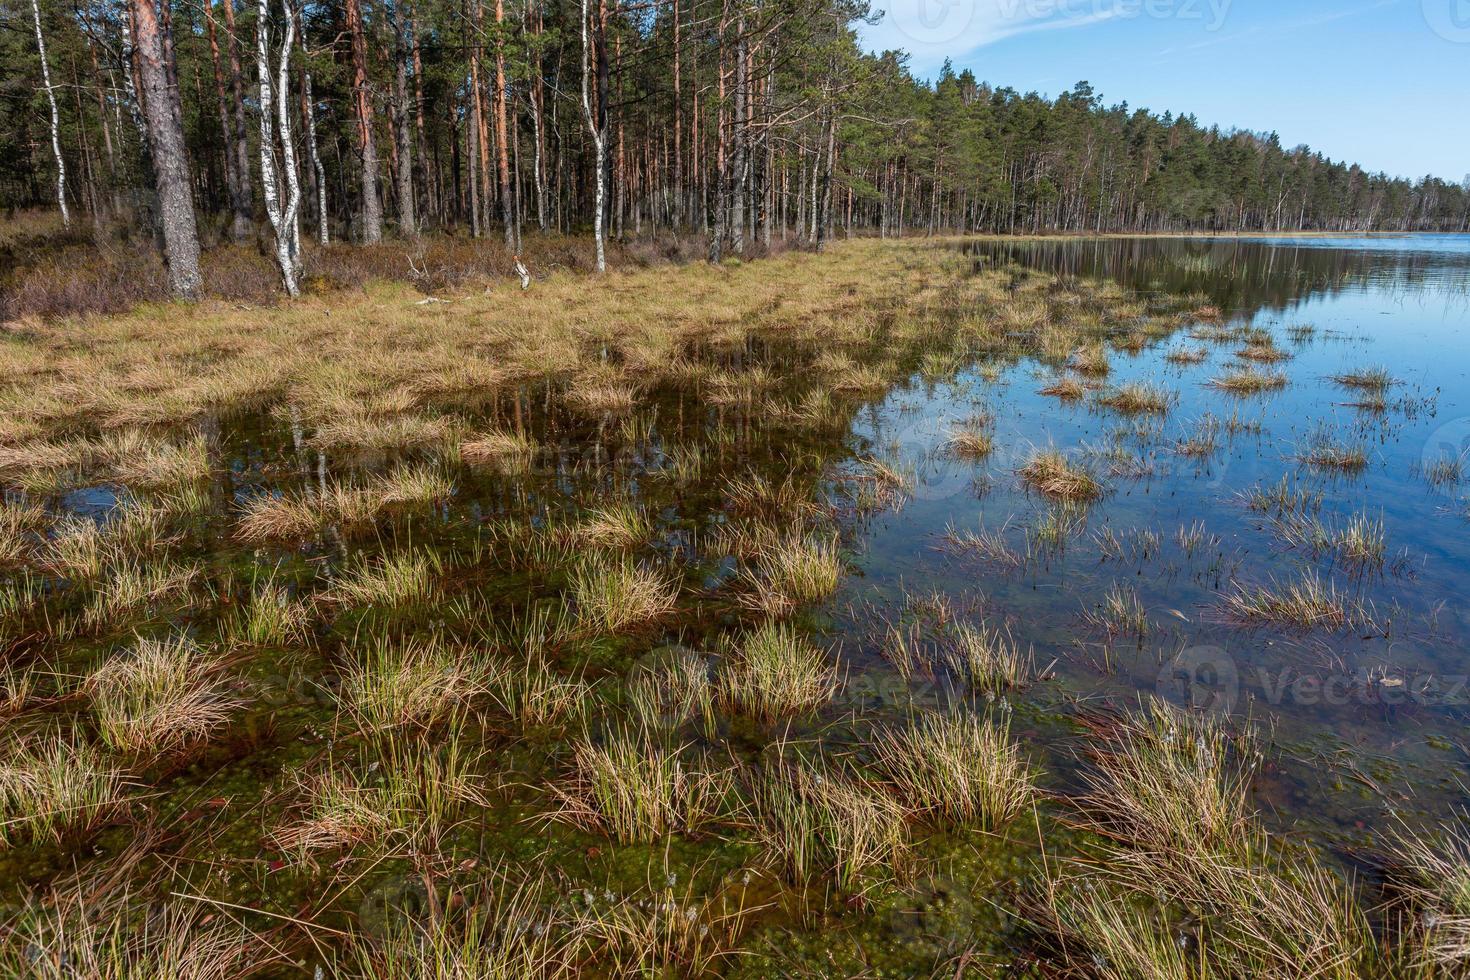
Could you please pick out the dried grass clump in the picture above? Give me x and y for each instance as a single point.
(618, 594)
(1327, 455)
(1091, 360)
(1138, 397)
(160, 696)
(776, 672)
(1248, 381)
(815, 823)
(508, 452)
(395, 579)
(634, 788)
(1050, 472)
(161, 466)
(415, 797)
(51, 785)
(791, 572)
(959, 768)
(1066, 388)
(1309, 603)
(414, 682)
(508, 929)
(72, 938)
(1371, 379)
(369, 436)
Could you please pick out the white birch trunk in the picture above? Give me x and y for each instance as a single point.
(599, 146)
(55, 117)
(283, 220)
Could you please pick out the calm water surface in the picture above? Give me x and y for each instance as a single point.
(1368, 720)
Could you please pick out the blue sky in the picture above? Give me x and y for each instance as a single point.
(1383, 82)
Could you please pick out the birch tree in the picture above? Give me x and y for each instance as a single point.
(276, 97)
(55, 117)
(599, 144)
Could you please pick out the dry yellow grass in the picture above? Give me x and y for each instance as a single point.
(357, 368)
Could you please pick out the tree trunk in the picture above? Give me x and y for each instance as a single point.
(232, 168)
(502, 135)
(407, 221)
(596, 128)
(308, 116)
(55, 118)
(372, 205)
(170, 160)
(244, 204)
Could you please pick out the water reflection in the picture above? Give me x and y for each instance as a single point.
(1251, 275)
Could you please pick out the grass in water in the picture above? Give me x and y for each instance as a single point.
(52, 785)
(1053, 474)
(1248, 381)
(1138, 398)
(631, 786)
(1372, 379)
(985, 659)
(776, 672)
(814, 823)
(388, 580)
(620, 594)
(957, 767)
(1308, 603)
(790, 572)
(160, 696)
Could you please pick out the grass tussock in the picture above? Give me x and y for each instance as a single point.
(1120, 613)
(791, 572)
(1188, 884)
(396, 579)
(974, 439)
(618, 594)
(634, 788)
(271, 617)
(959, 768)
(776, 672)
(1248, 381)
(1138, 398)
(416, 793)
(985, 659)
(1050, 472)
(52, 785)
(1066, 388)
(420, 682)
(73, 938)
(1308, 603)
(160, 696)
(815, 824)
(1371, 379)
(1334, 457)
(508, 452)
(1090, 360)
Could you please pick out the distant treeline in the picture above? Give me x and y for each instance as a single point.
(743, 122)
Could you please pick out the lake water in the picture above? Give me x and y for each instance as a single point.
(1369, 720)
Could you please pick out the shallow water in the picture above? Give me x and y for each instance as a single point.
(1402, 303)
